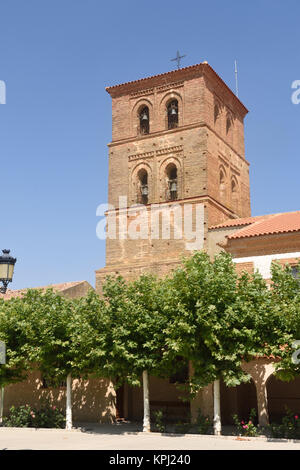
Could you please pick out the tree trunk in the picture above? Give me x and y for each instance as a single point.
(1, 404)
(69, 403)
(146, 423)
(217, 408)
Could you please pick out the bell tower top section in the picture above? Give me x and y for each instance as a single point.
(179, 136)
(177, 99)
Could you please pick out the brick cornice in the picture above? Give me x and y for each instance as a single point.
(193, 199)
(263, 244)
(164, 79)
(200, 124)
(135, 266)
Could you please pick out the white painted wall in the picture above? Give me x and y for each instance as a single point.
(263, 263)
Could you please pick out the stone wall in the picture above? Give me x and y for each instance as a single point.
(93, 399)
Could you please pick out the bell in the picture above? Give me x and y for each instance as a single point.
(173, 111)
(144, 117)
(173, 188)
(144, 190)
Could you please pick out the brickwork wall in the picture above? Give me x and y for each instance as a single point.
(240, 267)
(220, 155)
(264, 245)
(290, 261)
(75, 292)
(195, 147)
(93, 400)
(190, 96)
(186, 148)
(151, 247)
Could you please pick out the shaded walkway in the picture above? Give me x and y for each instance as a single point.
(31, 439)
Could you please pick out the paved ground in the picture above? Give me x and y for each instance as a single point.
(124, 438)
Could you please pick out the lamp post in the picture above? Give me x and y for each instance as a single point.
(7, 264)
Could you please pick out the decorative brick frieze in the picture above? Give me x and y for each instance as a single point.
(141, 156)
(137, 94)
(159, 152)
(169, 86)
(174, 149)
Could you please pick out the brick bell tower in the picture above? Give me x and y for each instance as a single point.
(177, 140)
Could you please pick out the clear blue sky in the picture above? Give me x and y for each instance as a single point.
(56, 58)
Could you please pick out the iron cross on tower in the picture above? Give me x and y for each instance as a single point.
(178, 58)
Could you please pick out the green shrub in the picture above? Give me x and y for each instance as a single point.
(20, 417)
(246, 428)
(159, 421)
(289, 427)
(204, 423)
(25, 416)
(182, 427)
(49, 417)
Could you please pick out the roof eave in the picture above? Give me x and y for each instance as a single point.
(173, 75)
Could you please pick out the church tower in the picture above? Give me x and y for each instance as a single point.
(177, 143)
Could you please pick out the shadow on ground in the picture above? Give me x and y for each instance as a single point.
(136, 427)
(110, 429)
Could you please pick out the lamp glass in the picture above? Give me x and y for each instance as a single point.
(5, 271)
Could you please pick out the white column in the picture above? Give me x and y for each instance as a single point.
(262, 403)
(69, 403)
(1, 404)
(217, 408)
(146, 423)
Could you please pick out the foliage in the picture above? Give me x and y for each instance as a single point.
(289, 427)
(25, 416)
(19, 417)
(159, 421)
(286, 293)
(131, 336)
(219, 319)
(246, 428)
(14, 332)
(204, 423)
(51, 318)
(182, 427)
(49, 417)
(58, 341)
(203, 313)
(37, 330)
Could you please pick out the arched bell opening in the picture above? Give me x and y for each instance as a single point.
(172, 182)
(143, 188)
(144, 123)
(172, 114)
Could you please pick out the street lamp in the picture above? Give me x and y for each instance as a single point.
(7, 264)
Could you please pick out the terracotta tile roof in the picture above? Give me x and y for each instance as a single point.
(278, 223)
(108, 88)
(57, 287)
(175, 73)
(240, 222)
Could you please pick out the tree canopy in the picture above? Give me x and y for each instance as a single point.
(203, 313)
(221, 319)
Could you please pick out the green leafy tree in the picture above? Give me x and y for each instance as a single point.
(45, 331)
(219, 320)
(286, 294)
(14, 333)
(50, 339)
(126, 334)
